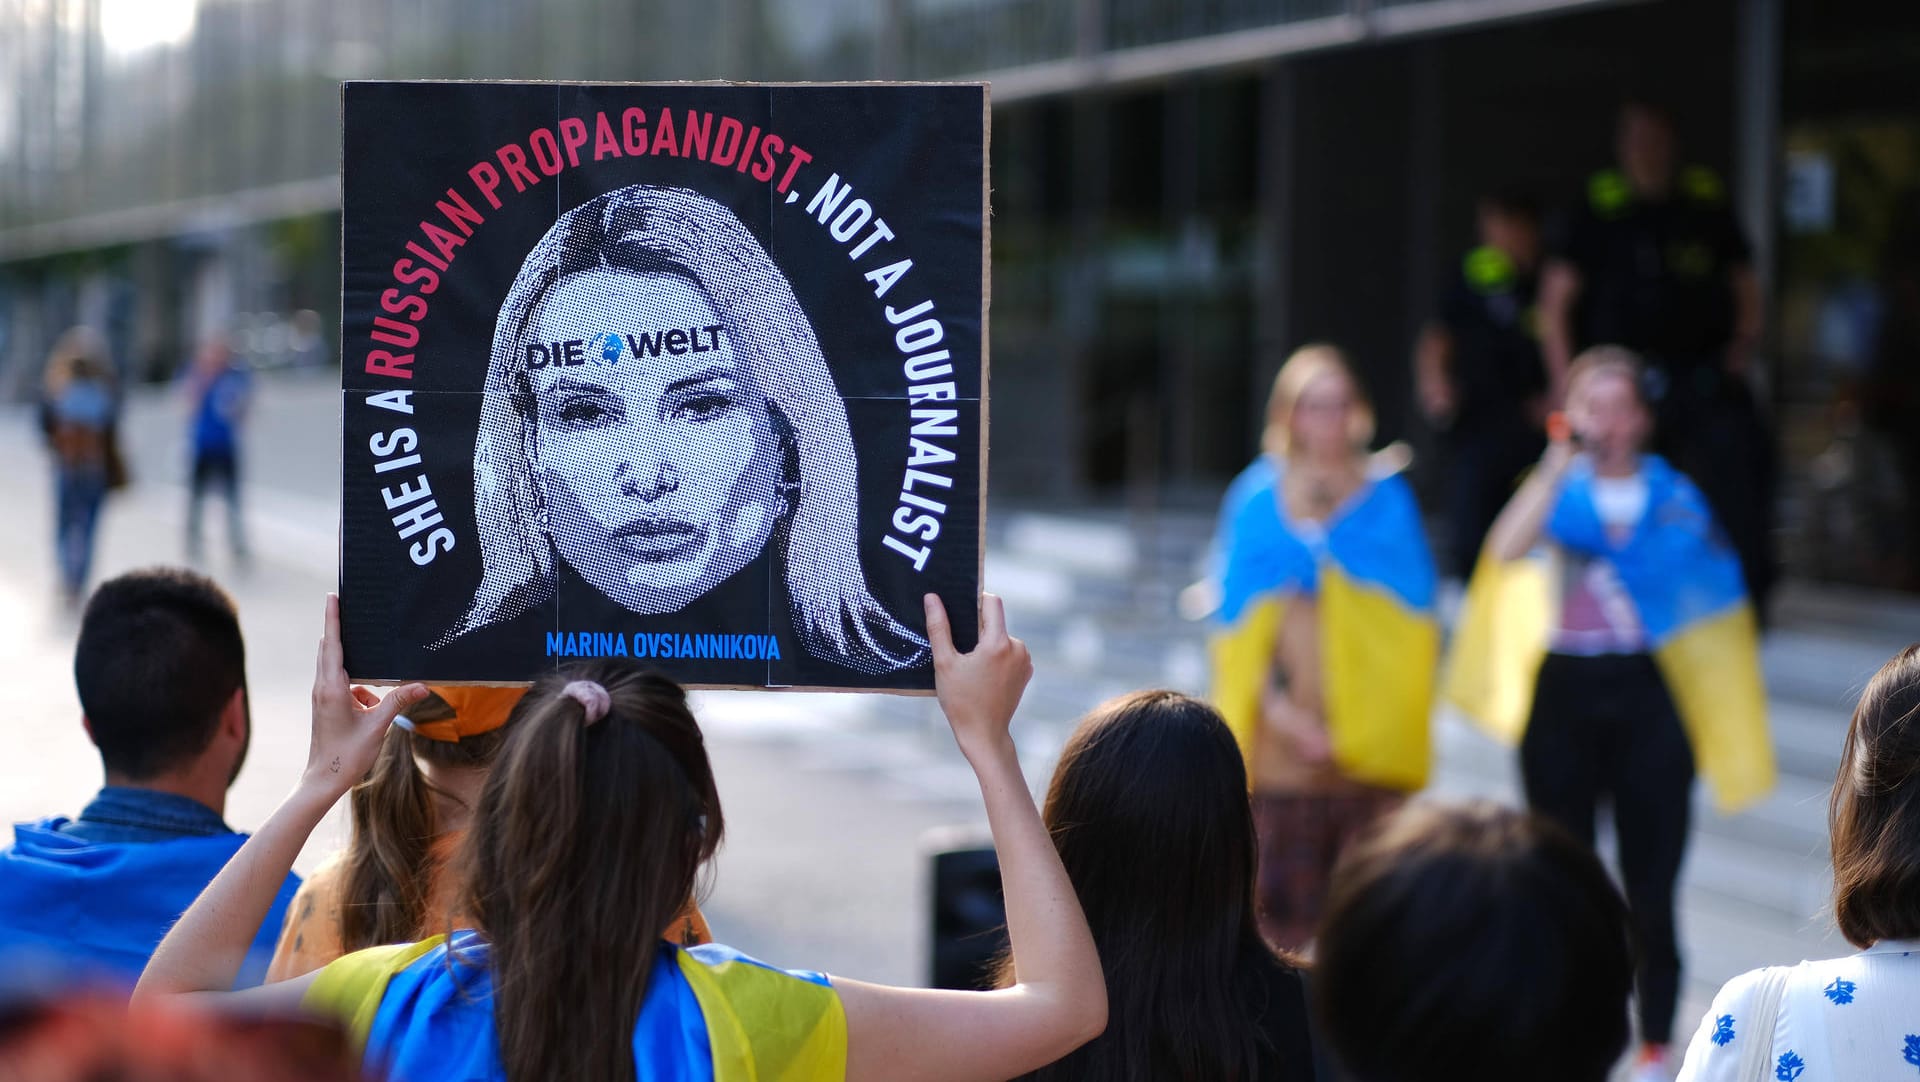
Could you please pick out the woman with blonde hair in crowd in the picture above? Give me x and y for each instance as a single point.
(591, 830)
(398, 879)
(1853, 1016)
(1326, 641)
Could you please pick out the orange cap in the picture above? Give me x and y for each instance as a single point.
(477, 708)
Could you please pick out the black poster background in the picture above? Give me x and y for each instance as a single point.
(915, 153)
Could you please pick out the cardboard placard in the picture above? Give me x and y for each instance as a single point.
(693, 373)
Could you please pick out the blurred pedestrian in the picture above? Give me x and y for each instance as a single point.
(1624, 658)
(1853, 1016)
(398, 880)
(87, 1038)
(1479, 375)
(161, 671)
(589, 836)
(220, 389)
(1656, 262)
(79, 414)
(1473, 942)
(1326, 641)
(1148, 808)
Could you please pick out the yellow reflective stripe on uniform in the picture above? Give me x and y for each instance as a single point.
(1609, 193)
(350, 987)
(1702, 185)
(1488, 269)
(764, 1025)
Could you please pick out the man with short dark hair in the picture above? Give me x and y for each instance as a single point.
(161, 671)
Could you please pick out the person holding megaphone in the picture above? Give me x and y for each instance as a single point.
(1607, 631)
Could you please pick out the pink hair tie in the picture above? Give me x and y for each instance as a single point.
(593, 699)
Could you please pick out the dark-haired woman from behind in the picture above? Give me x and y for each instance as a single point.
(1473, 943)
(1149, 810)
(1854, 1016)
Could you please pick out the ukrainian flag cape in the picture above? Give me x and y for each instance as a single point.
(424, 1013)
(1684, 580)
(1371, 572)
(74, 908)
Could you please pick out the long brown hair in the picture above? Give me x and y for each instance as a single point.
(587, 840)
(1874, 818)
(1149, 811)
(388, 875)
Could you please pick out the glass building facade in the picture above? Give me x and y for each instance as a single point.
(1183, 191)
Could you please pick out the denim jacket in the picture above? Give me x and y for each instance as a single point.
(123, 814)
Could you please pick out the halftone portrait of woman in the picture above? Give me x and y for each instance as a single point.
(696, 428)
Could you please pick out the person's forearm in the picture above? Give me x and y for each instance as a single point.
(1053, 951)
(1280, 707)
(1556, 350)
(1518, 528)
(1746, 320)
(1559, 290)
(1432, 357)
(205, 950)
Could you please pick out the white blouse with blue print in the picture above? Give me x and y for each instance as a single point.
(1852, 1019)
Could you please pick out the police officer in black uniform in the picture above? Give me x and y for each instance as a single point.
(1479, 374)
(1655, 261)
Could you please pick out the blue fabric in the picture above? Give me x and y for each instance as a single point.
(1677, 565)
(79, 491)
(216, 417)
(435, 1022)
(121, 813)
(74, 909)
(1254, 553)
(85, 404)
(1257, 551)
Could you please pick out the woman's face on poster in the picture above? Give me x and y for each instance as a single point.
(658, 472)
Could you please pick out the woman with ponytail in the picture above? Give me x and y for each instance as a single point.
(396, 881)
(594, 826)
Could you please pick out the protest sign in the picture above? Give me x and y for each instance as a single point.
(691, 373)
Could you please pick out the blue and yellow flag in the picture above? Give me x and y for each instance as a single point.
(424, 1012)
(1686, 586)
(1372, 575)
(71, 908)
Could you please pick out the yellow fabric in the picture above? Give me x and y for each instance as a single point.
(1379, 659)
(1242, 659)
(766, 1026)
(350, 988)
(1712, 670)
(1498, 644)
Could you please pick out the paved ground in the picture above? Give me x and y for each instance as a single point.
(829, 797)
